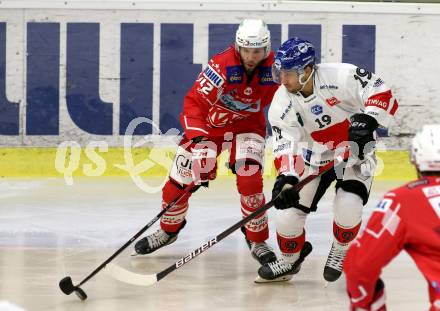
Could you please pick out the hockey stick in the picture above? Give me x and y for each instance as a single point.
(66, 284)
(129, 277)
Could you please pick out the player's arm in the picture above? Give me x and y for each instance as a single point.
(286, 134)
(382, 239)
(204, 93)
(378, 107)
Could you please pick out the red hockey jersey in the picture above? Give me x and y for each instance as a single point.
(224, 99)
(407, 218)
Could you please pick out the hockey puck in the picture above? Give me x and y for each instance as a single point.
(80, 293)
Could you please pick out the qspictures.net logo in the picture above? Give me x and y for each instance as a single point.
(69, 153)
(139, 168)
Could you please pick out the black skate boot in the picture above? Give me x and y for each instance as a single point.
(261, 252)
(335, 260)
(154, 241)
(282, 270)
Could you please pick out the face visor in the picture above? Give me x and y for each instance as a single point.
(277, 72)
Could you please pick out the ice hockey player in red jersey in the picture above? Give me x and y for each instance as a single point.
(317, 109)
(224, 110)
(408, 218)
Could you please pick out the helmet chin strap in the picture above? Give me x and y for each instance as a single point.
(303, 84)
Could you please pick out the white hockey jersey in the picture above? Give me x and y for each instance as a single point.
(313, 127)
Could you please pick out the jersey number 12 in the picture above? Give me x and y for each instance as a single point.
(206, 87)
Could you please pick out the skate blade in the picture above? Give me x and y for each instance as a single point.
(284, 278)
(134, 254)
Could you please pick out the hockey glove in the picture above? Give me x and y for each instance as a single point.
(377, 303)
(360, 132)
(204, 163)
(283, 194)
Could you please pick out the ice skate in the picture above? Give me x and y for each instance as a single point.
(261, 252)
(281, 270)
(154, 241)
(335, 260)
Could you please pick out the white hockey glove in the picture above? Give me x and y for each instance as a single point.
(204, 161)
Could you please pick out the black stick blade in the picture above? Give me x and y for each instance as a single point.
(66, 285)
(80, 293)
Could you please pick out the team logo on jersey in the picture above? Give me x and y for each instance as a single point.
(286, 110)
(265, 76)
(431, 191)
(236, 105)
(307, 155)
(380, 100)
(316, 109)
(282, 147)
(417, 183)
(378, 82)
(328, 86)
(234, 74)
(332, 101)
(248, 91)
(384, 205)
(219, 116)
(377, 103)
(435, 203)
(213, 76)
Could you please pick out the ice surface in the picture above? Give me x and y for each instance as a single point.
(49, 230)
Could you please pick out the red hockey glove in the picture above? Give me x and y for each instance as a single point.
(376, 304)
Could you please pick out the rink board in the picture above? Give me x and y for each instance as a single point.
(84, 70)
(45, 162)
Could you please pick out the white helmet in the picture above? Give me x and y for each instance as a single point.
(425, 149)
(253, 33)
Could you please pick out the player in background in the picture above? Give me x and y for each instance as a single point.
(224, 110)
(315, 111)
(408, 218)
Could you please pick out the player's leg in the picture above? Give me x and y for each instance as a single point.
(352, 194)
(291, 235)
(256, 231)
(170, 223)
(291, 241)
(247, 162)
(174, 219)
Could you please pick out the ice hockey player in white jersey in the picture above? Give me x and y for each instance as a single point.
(316, 112)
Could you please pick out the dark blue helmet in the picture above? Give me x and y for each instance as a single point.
(293, 55)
